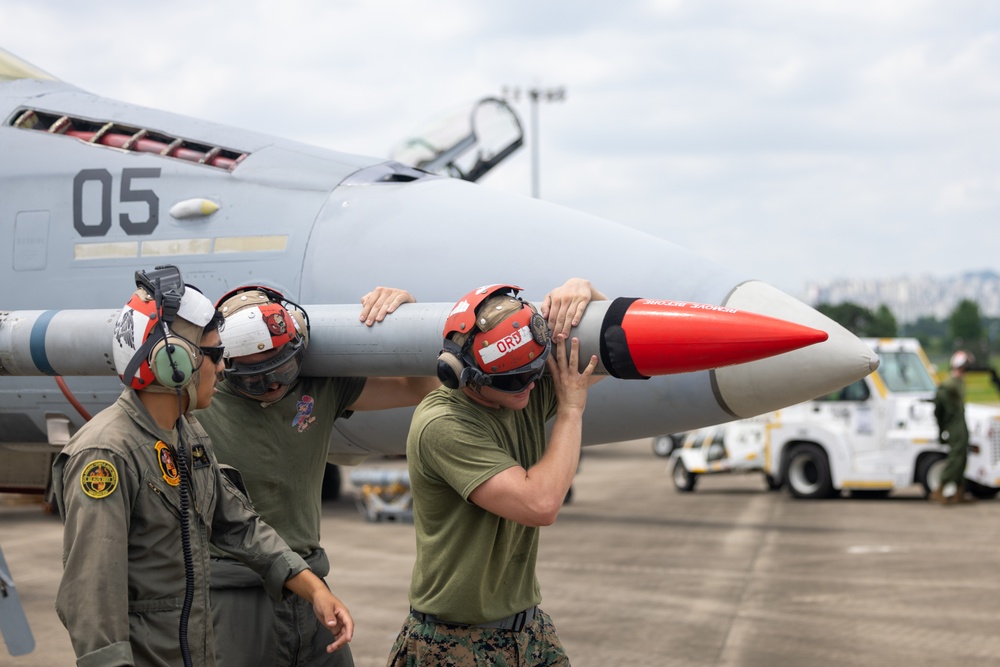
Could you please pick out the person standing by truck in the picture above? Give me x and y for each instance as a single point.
(949, 410)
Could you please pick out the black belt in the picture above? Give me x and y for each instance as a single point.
(514, 622)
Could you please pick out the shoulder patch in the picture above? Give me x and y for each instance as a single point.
(99, 479)
(168, 467)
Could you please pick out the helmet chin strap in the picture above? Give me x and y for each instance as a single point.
(192, 391)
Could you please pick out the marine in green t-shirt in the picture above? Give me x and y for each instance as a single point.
(485, 478)
(275, 427)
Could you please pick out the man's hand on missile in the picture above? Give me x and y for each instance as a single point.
(570, 384)
(381, 301)
(564, 306)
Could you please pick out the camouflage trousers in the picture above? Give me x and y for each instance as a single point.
(425, 643)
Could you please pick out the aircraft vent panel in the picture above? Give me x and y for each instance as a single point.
(127, 138)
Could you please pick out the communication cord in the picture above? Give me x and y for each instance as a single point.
(182, 630)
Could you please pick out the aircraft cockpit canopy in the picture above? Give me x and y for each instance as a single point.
(465, 143)
(12, 67)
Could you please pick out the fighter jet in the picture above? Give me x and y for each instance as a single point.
(92, 189)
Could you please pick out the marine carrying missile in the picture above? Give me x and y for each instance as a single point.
(633, 339)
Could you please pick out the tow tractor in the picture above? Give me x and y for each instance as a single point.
(733, 447)
(870, 437)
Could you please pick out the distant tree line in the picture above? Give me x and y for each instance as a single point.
(965, 328)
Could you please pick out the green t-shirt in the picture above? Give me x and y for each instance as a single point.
(280, 450)
(472, 566)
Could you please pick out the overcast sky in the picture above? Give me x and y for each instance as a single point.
(800, 141)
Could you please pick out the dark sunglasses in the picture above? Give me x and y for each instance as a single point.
(213, 352)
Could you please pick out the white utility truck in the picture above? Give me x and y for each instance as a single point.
(872, 436)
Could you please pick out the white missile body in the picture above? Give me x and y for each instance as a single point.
(78, 342)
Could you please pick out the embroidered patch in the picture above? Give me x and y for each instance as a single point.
(200, 457)
(99, 479)
(303, 413)
(168, 467)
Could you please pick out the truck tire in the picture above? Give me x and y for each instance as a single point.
(980, 491)
(663, 445)
(929, 472)
(683, 478)
(807, 473)
(772, 483)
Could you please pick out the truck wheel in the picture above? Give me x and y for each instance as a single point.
(684, 479)
(807, 473)
(980, 491)
(929, 473)
(663, 445)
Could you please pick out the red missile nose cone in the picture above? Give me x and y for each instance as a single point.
(666, 337)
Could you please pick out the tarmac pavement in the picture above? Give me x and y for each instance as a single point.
(636, 573)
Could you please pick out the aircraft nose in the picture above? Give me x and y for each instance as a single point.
(750, 389)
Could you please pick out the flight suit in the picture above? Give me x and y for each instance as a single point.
(949, 409)
(118, 489)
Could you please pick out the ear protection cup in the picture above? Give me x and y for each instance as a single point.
(452, 369)
(173, 362)
(301, 321)
(449, 370)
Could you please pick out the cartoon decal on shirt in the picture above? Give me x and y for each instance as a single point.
(303, 413)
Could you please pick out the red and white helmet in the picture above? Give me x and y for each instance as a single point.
(493, 338)
(157, 333)
(258, 319)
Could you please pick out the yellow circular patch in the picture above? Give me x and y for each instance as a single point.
(99, 479)
(171, 475)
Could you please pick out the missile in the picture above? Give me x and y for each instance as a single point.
(633, 339)
(707, 364)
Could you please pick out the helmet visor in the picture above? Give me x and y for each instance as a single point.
(259, 379)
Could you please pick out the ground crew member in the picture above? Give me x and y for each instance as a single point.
(275, 427)
(949, 410)
(142, 496)
(484, 479)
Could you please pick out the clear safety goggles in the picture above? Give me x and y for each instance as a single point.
(258, 379)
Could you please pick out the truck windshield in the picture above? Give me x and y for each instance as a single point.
(904, 371)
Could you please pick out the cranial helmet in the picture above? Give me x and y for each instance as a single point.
(493, 338)
(258, 319)
(961, 360)
(155, 346)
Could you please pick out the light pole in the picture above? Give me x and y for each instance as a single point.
(535, 95)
